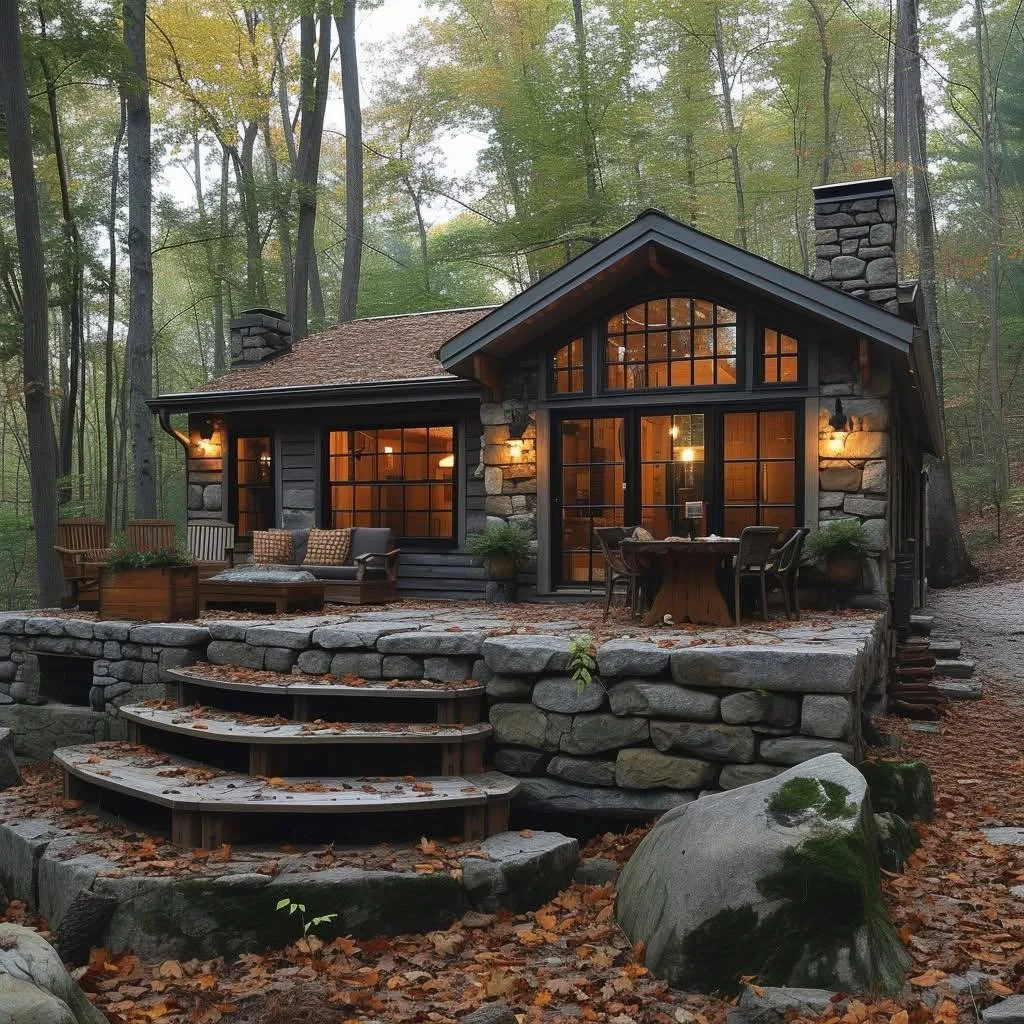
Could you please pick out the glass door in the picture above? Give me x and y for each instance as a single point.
(759, 469)
(590, 492)
(672, 497)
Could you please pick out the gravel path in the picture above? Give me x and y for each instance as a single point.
(990, 622)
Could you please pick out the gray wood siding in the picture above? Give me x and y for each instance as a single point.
(298, 476)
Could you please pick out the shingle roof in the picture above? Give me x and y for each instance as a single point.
(378, 348)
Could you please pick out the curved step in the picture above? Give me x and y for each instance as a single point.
(307, 686)
(209, 807)
(454, 702)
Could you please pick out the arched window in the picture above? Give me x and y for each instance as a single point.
(567, 368)
(675, 342)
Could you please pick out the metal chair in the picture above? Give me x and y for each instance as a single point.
(211, 545)
(151, 534)
(80, 541)
(752, 562)
(784, 569)
(616, 570)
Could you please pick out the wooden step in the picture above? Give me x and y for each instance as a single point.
(454, 702)
(273, 743)
(954, 668)
(921, 625)
(210, 807)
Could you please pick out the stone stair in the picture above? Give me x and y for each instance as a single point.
(246, 756)
(928, 671)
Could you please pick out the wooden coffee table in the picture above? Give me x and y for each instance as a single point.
(284, 597)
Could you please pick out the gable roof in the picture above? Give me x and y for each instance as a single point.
(654, 228)
(380, 348)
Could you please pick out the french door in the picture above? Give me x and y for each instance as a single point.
(671, 472)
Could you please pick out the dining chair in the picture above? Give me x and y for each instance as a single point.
(784, 569)
(752, 562)
(616, 570)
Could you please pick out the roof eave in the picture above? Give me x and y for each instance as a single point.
(783, 284)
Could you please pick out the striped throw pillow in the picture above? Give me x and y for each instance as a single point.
(272, 547)
(328, 547)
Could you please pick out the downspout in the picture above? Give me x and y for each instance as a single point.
(164, 416)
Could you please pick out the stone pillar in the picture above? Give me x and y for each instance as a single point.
(855, 239)
(258, 335)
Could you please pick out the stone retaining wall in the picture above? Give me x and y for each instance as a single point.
(664, 720)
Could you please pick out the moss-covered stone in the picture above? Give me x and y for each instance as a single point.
(897, 840)
(902, 787)
(801, 797)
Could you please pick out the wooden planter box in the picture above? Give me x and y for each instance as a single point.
(152, 595)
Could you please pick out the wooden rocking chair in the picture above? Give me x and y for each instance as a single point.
(81, 545)
(212, 546)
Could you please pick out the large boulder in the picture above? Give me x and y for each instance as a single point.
(900, 787)
(35, 988)
(778, 879)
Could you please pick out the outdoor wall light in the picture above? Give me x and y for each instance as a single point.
(515, 447)
(206, 428)
(518, 418)
(837, 421)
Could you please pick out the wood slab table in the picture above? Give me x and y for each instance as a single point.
(690, 590)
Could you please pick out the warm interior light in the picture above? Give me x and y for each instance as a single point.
(687, 455)
(447, 462)
(388, 450)
(515, 447)
(673, 431)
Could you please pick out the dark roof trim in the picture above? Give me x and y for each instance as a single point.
(442, 388)
(783, 284)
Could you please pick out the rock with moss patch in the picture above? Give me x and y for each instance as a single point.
(778, 879)
(897, 840)
(902, 787)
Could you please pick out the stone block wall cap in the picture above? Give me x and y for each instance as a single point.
(847, 191)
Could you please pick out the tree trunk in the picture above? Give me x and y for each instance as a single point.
(821, 22)
(947, 554)
(349, 297)
(316, 69)
(587, 140)
(220, 348)
(901, 124)
(284, 230)
(108, 341)
(730, 130)
(245, 178)
(139, 345)
(42, 476)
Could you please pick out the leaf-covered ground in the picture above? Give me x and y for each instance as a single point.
(568, 961)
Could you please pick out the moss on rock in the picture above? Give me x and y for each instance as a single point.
(900, 787)
(897, 840)
(801, 797)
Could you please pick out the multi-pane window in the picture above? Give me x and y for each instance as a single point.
(567, 369)
(672, 474)
(398, 477)
(780, 354)
(671, 343)
(254, 485)
(759, 469)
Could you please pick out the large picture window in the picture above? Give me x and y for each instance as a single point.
(254, 485)
(398, 477)
(671, 343)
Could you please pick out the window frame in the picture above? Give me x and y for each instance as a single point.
(550, 372)
(232, 480)
(601, 340)
(760, 327)
(327, 509)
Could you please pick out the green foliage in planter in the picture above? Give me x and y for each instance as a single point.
(500, 540)
(843, 538)
(123, 558)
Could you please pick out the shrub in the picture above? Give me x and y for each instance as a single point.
(500, 540)
(122, 557)
(839, 539)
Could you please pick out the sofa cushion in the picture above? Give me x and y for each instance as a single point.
(328, 547)
(343, 572)
(272, 546)
(376, 540)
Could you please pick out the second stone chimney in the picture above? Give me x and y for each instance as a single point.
(855, 239)
(258, 335)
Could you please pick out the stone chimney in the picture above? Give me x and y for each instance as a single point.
(855, 239)
(258, 335)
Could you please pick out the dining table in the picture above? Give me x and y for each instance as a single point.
(690, 589)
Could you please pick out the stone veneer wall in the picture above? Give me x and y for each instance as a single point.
(664, 721)
(205, 473)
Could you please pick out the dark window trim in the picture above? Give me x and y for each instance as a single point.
(231, 477)
(760, 326)
(549, 367)
(419, 543)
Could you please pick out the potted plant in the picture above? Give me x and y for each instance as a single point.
(503, 549)
(840, 546)
(154, 586)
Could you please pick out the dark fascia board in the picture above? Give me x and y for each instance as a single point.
(922, 380)
(784, 285)
(871, 188)
(389, 392)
